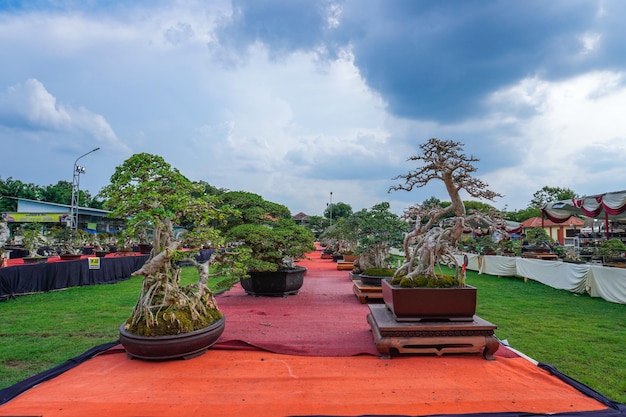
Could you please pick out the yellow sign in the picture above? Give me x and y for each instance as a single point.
(94, 263)
(36, 217)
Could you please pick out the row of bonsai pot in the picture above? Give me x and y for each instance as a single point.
(43, 257)
(405, 304)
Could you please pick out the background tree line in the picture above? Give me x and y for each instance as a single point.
(541, 197)
(61, 193)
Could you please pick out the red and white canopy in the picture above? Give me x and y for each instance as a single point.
(609, 206)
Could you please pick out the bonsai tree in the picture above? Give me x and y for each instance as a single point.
(146, 189)
(251, 209)
(274, 245)
(5, 235)
(433, 240)
(486, 244)
(537, 236)
(378, 231)
(66, 240)
(342, 237)
(103, 241)
(32, 238)
(571, 255)
(508, 245)
(612, 248)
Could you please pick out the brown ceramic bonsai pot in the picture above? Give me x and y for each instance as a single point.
(144, 248)
(180, 346)
(278, 283)
(354, 275)
(69, 256)
(417, 304)
(35, 259)
(372, 280)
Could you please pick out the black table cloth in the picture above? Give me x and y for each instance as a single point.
(26, 279)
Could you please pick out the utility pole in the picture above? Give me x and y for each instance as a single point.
(331, 208)
(75, 190)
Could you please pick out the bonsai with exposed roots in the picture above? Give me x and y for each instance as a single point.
(148, 191)
(432, 239)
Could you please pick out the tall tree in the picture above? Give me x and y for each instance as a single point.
(317, 224)
(60, 193)
(549, 194)
(338, 211)
(523, 214)
(17, 189)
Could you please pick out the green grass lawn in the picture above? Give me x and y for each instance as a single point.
(583, 337)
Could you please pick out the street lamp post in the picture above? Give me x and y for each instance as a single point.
(75, 190)
(331, 208)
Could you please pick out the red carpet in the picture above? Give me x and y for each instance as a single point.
(323, 319)
(323, 327)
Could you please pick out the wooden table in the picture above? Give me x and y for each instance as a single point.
(366, 293)
(436, 337)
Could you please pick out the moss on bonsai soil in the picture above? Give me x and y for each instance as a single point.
(174, 321)
(422, 281)
(182, 317)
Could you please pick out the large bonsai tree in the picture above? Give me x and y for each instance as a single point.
(432, 240)
(146, 190)
(274, 245)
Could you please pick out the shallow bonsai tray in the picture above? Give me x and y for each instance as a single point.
(366, 293)
(430, 337)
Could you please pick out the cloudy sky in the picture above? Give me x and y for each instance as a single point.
(296, 99)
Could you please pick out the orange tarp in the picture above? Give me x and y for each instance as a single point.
(253, 383)
(261, 383)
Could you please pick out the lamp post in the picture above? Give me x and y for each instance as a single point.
(331, 208)
(75, 190)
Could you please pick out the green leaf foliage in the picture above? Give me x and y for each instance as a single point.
(252, 208)
(275, 245)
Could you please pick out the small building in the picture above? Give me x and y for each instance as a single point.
(561, 232)
(301, 218)
(53, 214)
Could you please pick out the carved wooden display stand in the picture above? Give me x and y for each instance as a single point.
(345, 265)
(366, 293)
(544, 256)
(436, 337)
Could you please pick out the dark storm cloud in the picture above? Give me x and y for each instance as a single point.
(285, 26)
(439, 60)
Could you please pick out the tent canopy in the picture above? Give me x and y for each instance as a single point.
(607, 206)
